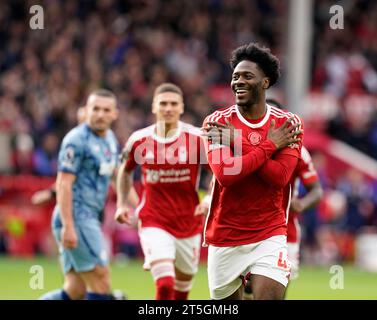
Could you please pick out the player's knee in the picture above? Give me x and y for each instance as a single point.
(183, 276)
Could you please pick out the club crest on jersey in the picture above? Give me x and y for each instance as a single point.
(254, 138)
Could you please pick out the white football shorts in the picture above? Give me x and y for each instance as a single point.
(227, 266)
(159, 244)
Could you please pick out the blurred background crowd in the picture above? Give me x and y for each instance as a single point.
(130, 46)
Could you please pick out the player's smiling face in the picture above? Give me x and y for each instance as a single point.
(101, 112)
(168, 107)
(247, 80)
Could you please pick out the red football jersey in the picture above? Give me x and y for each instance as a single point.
(305, 172)
(170, 177)
(247, 204)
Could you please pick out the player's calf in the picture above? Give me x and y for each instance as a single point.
(74, 286)
(98, 283)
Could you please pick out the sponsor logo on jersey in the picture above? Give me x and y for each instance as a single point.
(167, 176)
(68, 157)
(106, 168)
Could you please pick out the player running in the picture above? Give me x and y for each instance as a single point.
(169, 153)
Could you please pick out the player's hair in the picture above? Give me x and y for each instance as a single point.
(103, 93)
(168, 87)
(262, 56)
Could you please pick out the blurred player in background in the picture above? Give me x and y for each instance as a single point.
(87, 160)
(169, 153)
(246, 225)
(307, 175)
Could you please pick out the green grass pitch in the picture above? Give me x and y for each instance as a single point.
(313, 283)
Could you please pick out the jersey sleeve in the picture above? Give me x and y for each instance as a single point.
(278, 170)
(306, 171)
(71, 154)
(128, 154)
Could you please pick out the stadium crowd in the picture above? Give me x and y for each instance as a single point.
(132, 46)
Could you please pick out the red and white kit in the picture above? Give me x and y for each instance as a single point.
(170, 176)
(248, 201)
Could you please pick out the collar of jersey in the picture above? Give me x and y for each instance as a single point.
(170, 139)
(254, 125)
(90, 130)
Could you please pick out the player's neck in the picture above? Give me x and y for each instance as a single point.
(254, 111)
(166, 130)
(100, 133)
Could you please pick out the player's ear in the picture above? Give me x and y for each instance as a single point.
(116, 114)
(182, 109)
(154, 107)
(265, 83)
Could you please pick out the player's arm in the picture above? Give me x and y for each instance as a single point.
(132, 198)
(203, 207)
(312, 197)
(278, 171)
(64, 184)
(44, 196)
(126, 193)
(124, 185)
(228, 168)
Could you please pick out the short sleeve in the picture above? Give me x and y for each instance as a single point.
(71, 154)
(306, 170)
(128, 154)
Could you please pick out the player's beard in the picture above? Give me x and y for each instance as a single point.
(99, 128)
(254, 95)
